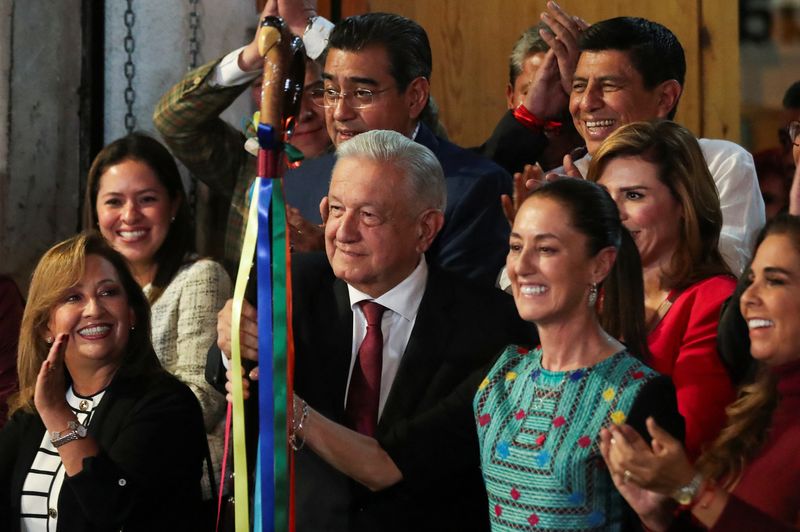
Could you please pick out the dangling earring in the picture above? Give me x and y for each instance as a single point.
(592, 294)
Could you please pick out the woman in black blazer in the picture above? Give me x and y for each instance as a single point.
(100, 437)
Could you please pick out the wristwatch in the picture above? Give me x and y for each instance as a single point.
(74, 431)
(686, 494)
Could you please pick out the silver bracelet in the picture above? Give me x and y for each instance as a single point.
(293, 439)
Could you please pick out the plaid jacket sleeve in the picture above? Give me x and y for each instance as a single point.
(187, 116)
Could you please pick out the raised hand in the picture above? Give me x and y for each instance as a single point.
(661, 466)
(50, 393)
(654, 509)
(563, 39)
(570, 169)
(548, 94)
(296, 13)
(524, 182)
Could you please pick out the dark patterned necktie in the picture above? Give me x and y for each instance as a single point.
(364, 394)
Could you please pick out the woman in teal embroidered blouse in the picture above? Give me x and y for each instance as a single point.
(539, 413)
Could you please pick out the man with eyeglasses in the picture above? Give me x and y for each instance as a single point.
(794, 193)
(377, 76)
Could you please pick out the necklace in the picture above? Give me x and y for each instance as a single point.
(660, 312)
(543, 393)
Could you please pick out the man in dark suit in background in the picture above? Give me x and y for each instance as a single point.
(414, 464)
(377, 76)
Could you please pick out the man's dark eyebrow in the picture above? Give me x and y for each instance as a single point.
(601, 79)
(353, 79)
(613, 79)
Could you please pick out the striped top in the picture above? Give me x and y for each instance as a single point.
(42, 486)
(539, 439)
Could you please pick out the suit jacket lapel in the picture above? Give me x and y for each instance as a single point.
(342, 344)
(421, 357)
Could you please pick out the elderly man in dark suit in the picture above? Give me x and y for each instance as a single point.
(385, 423)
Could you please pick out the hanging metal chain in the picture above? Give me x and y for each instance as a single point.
(194, 52)
(194, 27)
(130, 68)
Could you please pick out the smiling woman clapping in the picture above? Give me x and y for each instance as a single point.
(101, 437)
(748, 478)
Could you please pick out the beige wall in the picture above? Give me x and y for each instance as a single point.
(471, 42)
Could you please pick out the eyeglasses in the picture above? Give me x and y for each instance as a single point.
(794, 131)
(356, 99)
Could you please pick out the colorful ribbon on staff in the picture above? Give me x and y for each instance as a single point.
(266, 240)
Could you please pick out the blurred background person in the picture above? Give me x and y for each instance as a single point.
(774, 181)
(539, 413)
(517, 141)
(135, 197)
(11, 306)
(101, 437)
(790, 113)
(747, 480)
(666, 197)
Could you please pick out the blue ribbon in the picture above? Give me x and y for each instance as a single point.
(264, 518)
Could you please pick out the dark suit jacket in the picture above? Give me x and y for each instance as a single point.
(513, 145)
(150, 431)
(459, 329)
(474, 239)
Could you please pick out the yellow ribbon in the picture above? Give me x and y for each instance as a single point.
(240, 489)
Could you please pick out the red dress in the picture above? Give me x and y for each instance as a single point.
(767, 496)
(684, 347)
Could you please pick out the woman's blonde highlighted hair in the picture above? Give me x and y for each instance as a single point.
(683, 169)
(59, 269)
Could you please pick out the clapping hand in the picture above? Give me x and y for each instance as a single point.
(646, 475)
(549, 92)
(50, 393)
(525, 182)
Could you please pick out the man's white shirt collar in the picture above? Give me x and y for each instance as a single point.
(404, 298)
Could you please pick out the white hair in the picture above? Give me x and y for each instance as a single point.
(418, 164)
